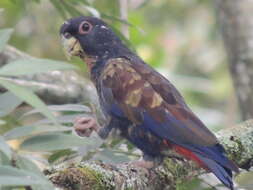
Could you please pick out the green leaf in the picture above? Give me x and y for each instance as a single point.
(71, 9)
(4, 160)
(51, 142)
(10, 176)
(63, 119)
(28, 165)
(32, 66)
(63, 108)
(144, 3)
(5, 148)
(189, 185)
(5, 35)
(70, 107)
(8, 188)
(114, 18)
(85, 2)
(8, 103)
(244, 179)
(58, 6)
(109, 156)
(2, 122)
(25, 131)
(60, 154)
(94, 12)
(28, 96)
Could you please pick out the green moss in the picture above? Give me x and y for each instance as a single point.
(79, 178)
(172, 173)
(238, 142)
(177, 169)
(180, 171)
(95, 179)
(236, 152)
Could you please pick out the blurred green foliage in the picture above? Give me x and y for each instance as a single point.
(179, 38)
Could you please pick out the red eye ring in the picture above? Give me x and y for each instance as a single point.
(85, 27)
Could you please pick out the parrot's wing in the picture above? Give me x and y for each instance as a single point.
(138, 93)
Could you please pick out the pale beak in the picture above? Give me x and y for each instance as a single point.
(71, 47)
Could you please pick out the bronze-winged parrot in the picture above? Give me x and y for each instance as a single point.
(140, 102)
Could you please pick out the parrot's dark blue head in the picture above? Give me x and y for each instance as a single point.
(90, 36)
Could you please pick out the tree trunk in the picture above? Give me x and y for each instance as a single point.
(235, 19)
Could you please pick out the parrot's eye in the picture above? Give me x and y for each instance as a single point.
(85, 27)
(67, 35)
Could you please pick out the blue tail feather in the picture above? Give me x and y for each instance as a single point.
(222, 173)
(216, 153)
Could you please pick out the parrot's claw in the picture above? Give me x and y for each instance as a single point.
(148, 162)
(142, 164)
(85, 125)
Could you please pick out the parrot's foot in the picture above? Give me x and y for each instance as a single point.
(85, 125)
(147, 162)
(142, 164)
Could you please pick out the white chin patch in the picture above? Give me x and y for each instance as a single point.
(104, 27)
(66, 22)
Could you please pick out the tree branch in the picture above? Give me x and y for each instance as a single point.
(238, 142)
(54, 87)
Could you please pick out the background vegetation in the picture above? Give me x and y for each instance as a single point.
(180, 38)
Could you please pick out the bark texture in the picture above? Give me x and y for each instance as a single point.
(235, 19)
(237, 140)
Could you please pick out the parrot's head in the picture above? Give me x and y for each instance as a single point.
(87, 36)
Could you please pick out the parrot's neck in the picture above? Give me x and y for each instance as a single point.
(97, 65)
(96, 70)
(89, 61)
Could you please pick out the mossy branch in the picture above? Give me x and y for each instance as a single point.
(237, 140)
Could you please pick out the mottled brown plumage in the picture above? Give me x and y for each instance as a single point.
(137, 86)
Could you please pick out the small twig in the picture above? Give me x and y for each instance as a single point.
(123, 5)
